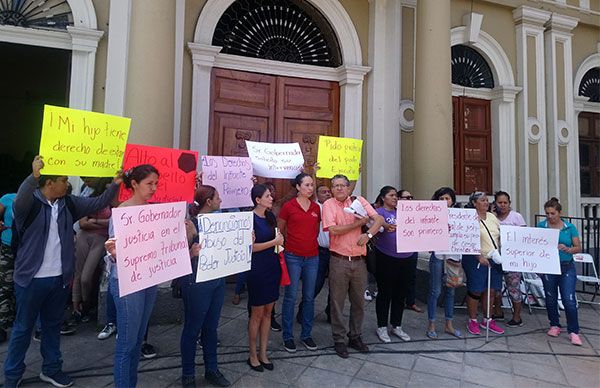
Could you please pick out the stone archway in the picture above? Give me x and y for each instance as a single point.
(502, 96)
(205, 56)
(81, 38)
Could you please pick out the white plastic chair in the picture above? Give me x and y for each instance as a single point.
(585, 260)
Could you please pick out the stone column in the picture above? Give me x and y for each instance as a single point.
(433, 158)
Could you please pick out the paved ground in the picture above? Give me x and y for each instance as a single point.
(524, 357)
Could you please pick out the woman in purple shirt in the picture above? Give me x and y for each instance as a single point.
(394, 270)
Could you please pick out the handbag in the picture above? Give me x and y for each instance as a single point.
(454, 272)
(371, 257)
(285, 275)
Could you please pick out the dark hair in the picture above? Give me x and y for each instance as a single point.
(297, 181)
(443, 191)
(45, 178)
(270, 185)
(500, 193)
(321, 185)
(382, 193)
(138, 174)
(257, 192)
(99, 186)
(402, 191)
(553, 203)
(202, 194)
(341, 176)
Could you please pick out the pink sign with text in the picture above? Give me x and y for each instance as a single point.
(422, 226)
(231, 176)
(152, 247)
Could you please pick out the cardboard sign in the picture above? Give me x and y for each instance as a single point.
(81, 143)
(231, 176)
(226, 241)
(338, 155)
(529, 249)
(151, 245)
(464, 232)
(422, 226)
(177, 171)
(281, 160)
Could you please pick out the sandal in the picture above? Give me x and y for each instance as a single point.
(431, 334)
(456, 333)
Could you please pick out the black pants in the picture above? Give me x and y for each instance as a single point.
(394, 278)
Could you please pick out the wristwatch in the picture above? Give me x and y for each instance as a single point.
(369, 235)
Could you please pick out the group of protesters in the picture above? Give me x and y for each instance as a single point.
(42, 264)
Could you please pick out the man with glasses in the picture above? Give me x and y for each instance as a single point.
(347, 268)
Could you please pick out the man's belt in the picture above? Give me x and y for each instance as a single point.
(346, 257)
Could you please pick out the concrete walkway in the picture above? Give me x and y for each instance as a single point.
(523, 357)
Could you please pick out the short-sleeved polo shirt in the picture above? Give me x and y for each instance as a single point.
(333, 214)
(302, 228)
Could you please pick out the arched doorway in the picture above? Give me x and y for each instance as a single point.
(48, 48)
(498, 92)
(348, 76)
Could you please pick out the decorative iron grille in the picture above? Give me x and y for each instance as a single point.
(44, 14)
(590, 85)
(470, 69)
(281, 30)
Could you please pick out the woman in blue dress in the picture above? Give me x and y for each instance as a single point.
(264, 276)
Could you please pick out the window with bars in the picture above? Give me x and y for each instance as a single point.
(590, 85)
(470, 69)
(281, 30)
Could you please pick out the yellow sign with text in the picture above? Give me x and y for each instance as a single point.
(338, 155)
(82, 143)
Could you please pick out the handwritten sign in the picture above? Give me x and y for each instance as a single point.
(177, 170)
(226, 240)
(151, 245)
(464, 232)
(338, 155)
(529, 249)
(275, 160)
(422, 226)
(82, 143)
(231, 176)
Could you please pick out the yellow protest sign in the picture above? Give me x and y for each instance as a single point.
(82, 143)
(338, 155)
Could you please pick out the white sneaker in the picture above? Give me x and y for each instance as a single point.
(108, 330)
(397, 331)
(368, 295)
(382, 333)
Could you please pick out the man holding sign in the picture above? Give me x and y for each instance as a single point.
(347, 268)
(44, 267)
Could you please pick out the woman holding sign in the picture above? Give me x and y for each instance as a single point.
(476, 267)
(568, 244)
(202, 302)
(395, 271)
(133, 310)
(507, 216)
(264, 276)
(437, 277)
(298, 221)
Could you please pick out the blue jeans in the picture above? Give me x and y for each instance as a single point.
(202, 303)
(324, 257)
(240, 282)
(566, 283)
(436, 282)
(133, 314)
(307, 268)
(45, 297)
(111, 309)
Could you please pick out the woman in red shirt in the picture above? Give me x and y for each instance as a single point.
(299, 221)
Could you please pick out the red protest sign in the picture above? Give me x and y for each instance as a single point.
(177, 170)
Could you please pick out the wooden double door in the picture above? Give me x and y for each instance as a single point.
(274, 109)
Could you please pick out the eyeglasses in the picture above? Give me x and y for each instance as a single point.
(407, 197)
(340, 186)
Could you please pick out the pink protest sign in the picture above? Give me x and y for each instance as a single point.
(231, 176)
(152, 247)
(422, 226)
